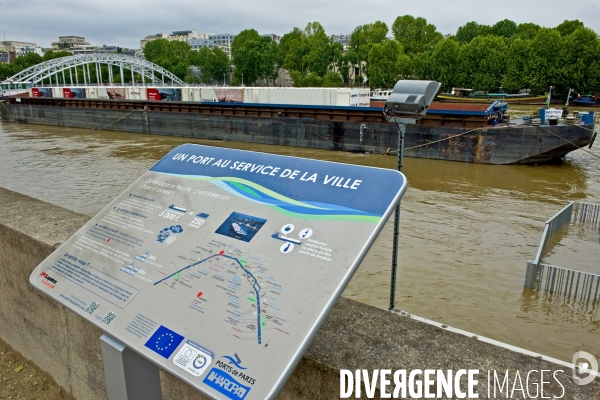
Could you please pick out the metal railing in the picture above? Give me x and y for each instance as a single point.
(551, 227)
(558, 280)
(586, 213)
(569, 283)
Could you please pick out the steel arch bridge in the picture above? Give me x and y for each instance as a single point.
(61, 69)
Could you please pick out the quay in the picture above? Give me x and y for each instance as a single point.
(354, 337)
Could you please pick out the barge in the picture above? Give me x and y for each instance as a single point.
(468, 133)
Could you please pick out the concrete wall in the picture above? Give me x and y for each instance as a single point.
(355, 336)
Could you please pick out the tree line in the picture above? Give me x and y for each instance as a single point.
(508, 55)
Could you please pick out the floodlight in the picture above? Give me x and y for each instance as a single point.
(411, 98)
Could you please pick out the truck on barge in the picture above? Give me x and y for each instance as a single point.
(455, 132)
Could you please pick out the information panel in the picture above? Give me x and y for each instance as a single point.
(220, 265)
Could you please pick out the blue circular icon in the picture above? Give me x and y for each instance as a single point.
(176, 229)
(286, 248)
(164, 341)
(287, 228)
(199, 361)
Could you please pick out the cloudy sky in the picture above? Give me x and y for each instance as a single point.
(125, 22)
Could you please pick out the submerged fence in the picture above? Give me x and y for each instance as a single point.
(558, 280)
(586, 213)
(553, 225)
(569, 283)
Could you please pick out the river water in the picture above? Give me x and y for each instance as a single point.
(467, 230)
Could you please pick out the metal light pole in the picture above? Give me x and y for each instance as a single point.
(242, 79)
(223, 79)
(409, 100)
(401, 133)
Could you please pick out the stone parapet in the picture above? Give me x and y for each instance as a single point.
(355, 336)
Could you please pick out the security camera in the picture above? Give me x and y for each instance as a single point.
(411, 98)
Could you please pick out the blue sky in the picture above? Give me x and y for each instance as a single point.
(124, 23)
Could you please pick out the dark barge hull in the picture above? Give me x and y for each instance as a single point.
(330, 128)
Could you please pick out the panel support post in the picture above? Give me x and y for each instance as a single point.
(530, 275)
(128, 375)
(401, 133)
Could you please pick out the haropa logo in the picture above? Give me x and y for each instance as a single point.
(48, 280)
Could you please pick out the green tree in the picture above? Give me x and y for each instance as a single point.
(505, 28)
(579, 61)
(333, 79)
(361, 40)
(171, 55)
(212, 63)
(247, 35)
(544, 61)
(306, 80)
(415, 34)
(471, 30)
(387, 63)
(467, 32)
(527, 30)
(422, 67)
(217, 64)
(156, 50)
(445, 59)
(319, 55)
(51, 54)
(310, 50)
(256, 59)
(343, 66)
(569, 26)
(200, 59)
(482, 62)
(26, 61)
(6, 71)
(292, 50)
(517, 74)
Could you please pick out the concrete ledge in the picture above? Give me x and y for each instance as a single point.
(355, 336)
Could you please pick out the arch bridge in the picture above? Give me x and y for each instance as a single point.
(59, 71)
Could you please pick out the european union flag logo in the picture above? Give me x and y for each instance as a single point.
(164, 342)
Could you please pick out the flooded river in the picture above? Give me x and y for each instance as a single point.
(467, 230)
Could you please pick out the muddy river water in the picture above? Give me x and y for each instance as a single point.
(467, 230)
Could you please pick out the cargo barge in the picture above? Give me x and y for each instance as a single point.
(467, 133)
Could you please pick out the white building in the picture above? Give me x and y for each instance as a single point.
(12, 49)
(183, 36)
(222, 41)
(150, 38)
(84, 49)
(197, 44)
(67, 42)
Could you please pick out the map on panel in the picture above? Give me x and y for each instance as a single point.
(217, 264)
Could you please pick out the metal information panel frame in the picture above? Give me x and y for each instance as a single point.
(220, 265)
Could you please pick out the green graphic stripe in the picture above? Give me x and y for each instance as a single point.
(251, 184)
(238, 181)
(245, 188)
(355, 218)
